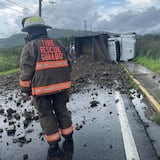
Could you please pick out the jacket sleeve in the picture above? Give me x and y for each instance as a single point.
(27, 68)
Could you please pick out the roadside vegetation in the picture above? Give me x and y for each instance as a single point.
(148, 51)
(9, 60)
(156, 118)
(150, 63)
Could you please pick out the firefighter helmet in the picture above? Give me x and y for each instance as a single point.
(30, 22)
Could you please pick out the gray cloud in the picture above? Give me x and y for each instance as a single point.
(3, 4)
(132, 21)
(71, 14)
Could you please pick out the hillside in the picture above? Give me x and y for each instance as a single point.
(18, 39)
(12, 41)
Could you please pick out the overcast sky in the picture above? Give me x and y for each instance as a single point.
(140, 16)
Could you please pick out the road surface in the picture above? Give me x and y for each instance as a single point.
(107, 127)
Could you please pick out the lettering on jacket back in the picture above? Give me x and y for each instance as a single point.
(50, 51)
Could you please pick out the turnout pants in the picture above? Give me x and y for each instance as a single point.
(55, 119)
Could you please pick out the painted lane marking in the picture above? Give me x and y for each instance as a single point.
(128, 140)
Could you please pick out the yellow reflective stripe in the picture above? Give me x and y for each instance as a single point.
(25, 83)
(33, 20)
(51, 64)
(52, 137)
(67, 131)
(51, 88)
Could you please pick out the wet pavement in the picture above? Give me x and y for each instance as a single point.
(97, 136)
(95, 139)
(93, 115)
(148, 79)
(150, 84)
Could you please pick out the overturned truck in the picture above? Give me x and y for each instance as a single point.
(105, 48)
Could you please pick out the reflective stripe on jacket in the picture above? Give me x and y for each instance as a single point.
(51, 88)
(51, 64)
(44, 67)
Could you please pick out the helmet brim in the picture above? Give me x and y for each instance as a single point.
(26, 29)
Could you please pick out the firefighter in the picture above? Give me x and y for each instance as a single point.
(45, 75)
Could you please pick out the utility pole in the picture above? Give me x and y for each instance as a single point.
(85, 25)
(40, 8)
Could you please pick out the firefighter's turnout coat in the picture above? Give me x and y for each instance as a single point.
(45, 74)
(44, 67)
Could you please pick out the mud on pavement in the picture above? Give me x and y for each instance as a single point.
(84, 71)
(17, 115)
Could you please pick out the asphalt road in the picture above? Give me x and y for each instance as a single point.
(107, 127)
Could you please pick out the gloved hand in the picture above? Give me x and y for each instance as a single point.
(25, 96)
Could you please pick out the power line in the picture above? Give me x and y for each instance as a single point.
(29, 1)
(6, 12)
(14, 9)
(58, 12)
(18, 4)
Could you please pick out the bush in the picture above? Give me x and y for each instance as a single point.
(9, 58)
(148, 46)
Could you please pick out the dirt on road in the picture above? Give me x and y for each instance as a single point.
(17, 115)
(84, 71)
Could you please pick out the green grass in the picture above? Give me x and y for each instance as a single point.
(150, 63)
(8, 62)
(11, 71)
(156, 118)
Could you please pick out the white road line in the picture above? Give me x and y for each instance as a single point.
(128, 140)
